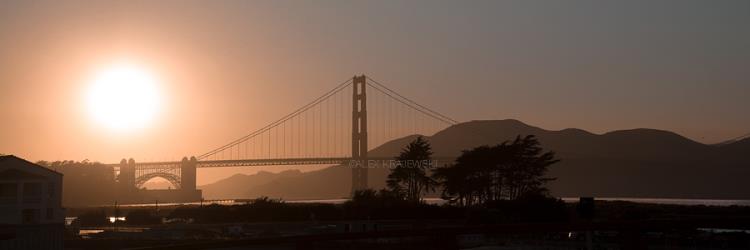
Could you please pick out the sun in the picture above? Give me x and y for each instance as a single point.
(123, 97)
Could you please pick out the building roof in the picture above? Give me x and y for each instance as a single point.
(7, 158)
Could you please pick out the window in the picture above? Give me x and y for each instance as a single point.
(51, 189)
(8, 193)
(32, 192)
(8, 190)
(32, 189)
(30, 216)
(50, 213)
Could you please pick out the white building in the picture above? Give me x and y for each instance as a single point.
(31, 213)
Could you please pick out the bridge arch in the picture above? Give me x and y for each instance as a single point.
(173, 179)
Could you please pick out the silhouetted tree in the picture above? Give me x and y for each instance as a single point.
(528, 167)
(409, 177)
(372, 198)
(504, 171)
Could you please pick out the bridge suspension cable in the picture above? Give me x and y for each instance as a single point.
(322, 129)
(414, 105)
(304, 108)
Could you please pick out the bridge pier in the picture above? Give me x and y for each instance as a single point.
(126, 178)
(188, 191)
(188, 173)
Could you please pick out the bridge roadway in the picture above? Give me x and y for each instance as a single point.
(275, 162)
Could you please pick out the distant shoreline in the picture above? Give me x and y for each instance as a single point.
(660, 201)
(670, 201)
(439, 201)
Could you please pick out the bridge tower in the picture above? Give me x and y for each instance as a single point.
(187, 173)
(126, 178)
(359, 133)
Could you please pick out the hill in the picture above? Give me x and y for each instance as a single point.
(644, 163)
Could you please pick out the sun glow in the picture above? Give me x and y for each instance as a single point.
(123, 97)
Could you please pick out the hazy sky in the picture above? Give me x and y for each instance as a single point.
(233, 66)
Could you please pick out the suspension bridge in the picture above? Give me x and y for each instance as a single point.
(339, 127)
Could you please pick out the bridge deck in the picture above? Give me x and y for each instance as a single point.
(273, 162)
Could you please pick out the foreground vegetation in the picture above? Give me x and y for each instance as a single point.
(371, 205)
(485, 174)
(365, 205)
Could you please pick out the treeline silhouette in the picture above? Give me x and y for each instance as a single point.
(507, 171)
(365, 205)
(85, 182)
(491, 173)
(381, 205)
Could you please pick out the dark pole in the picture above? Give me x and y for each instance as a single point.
(117, 214)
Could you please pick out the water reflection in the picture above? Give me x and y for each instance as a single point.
(112, 219)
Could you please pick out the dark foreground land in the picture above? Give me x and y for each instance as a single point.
(534, 222)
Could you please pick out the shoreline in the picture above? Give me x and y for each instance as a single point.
(439, 201)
